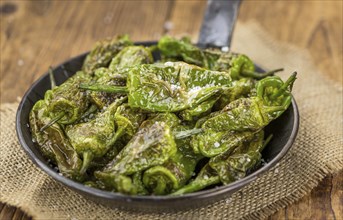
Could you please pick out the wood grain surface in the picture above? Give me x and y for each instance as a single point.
(37, 34)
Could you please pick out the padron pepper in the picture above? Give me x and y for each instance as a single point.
(106, 77)
(53, 143)
(234, 123)
(232, 166)
(176, 171)
(201, 110)
(168, 87)
(116, 74)
(206, 177)
(242, 88)
(128, 121)
(94, 138)
(212, 143)
(229, 166)
(103, 52)
(67, 102)
(238, 65)
(130, 56)
(254, 113)
(152, 145)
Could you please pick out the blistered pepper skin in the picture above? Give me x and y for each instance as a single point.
(237, 65)
(68, 99)
(103, 52)
(53, 143)
(176, 171)
(169, 87)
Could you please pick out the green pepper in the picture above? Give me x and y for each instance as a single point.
(199, 111)
(171, 47)
(170, 87)
(211, 143)
(150, 146)
(67, 102)
(254, 113)
(103, 52)
(130, 56)
(175, 172)
(228, 166)
(238, 65)
(116, 74)
(107, 77)
(128, 121)
(234, 166)
(241, 88)
(94, 138)
(53, 143)
(206, 177)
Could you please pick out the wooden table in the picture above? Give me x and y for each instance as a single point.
(35, 35)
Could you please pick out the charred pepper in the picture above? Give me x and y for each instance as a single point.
(103, 52)
(53, 143)
(94, 138)
(67, 102)
(238, 65)
(169, 87)
(151, 146)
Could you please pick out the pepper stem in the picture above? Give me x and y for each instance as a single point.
(272, 109)
(53, 121)
(266, 141)
(89, 111)
(255, 75)
(104, 88)
(288, 83)
(116, 136)
(197, 185)
(187, 133)
(87, 158)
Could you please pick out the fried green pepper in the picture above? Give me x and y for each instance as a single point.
(103, 52)
(107, 77)
(201, 110)
(234, 166)
(150, 146)
(53, 143)
(175, 172)
(238, 65)
(128, 121)
(94, 138)
(67, 102)
(130, 56)
(212, 143)
(254, 113)
(169, 87)
(116, 74)
(242, 88)
(229, 166)
(206, 177)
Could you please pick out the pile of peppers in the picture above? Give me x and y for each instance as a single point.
(130, 123)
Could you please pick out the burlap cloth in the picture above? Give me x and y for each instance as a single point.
(316, 152)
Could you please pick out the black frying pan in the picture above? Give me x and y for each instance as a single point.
(216, 31)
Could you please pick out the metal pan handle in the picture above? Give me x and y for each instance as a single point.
(218, 23)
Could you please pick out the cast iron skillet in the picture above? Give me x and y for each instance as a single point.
(284, 130)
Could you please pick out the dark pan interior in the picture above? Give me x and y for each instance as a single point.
(284, 130)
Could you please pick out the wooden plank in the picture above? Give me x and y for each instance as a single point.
(313, 25)
(43, 33)
(7, 212)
